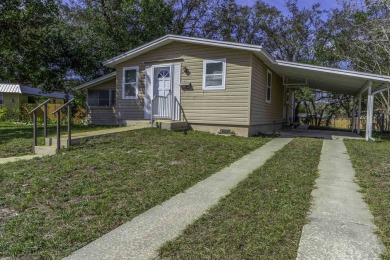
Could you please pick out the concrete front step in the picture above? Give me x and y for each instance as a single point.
(44, 150)
(145, 123)
(171, 125)
(52, 142)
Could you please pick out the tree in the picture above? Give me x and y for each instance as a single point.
(294, 36)
(242, 23)
(193, 17)
(33, 43)
(361, 41)
(107, 28)
(362, 35)
(49, 45)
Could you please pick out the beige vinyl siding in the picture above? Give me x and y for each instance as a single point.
(102, 115)
(11, 100)
(229, 106)
(261, 111)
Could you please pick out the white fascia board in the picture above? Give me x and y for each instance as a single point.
(170, 38)
(350, 73)
(99, 80)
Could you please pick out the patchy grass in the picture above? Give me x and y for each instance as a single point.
(16, 139)
(371, 161)
(51, 206)
(379, 136)
(262, 217)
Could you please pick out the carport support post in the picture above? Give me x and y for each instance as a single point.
(370, 106)
(293, 106)
(353, 115)
(359, 113)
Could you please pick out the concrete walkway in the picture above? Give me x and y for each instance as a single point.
(141, 237)
(301, 131)
(340, 224)
(18, 158)
(108, 131)
(77, 137)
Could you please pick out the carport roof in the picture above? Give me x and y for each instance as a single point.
(329, 79)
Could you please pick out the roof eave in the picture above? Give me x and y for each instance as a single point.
(127, 55)
(96, 81)
(170, 38)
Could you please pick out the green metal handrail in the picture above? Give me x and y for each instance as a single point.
(34, 112)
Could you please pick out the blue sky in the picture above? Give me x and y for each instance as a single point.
(325, 4)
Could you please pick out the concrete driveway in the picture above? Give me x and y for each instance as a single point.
(325, 134)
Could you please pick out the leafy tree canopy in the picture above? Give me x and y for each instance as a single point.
(52, 45)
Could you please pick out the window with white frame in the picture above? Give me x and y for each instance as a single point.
(130, 83)
(269, 86)
(214, 74)
(102, 97)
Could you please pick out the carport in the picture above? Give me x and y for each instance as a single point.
(357, 84)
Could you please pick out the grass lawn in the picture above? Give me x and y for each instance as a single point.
(16, 139)
(371, 161)
(379, 136)
(51, 206)
(262, 217)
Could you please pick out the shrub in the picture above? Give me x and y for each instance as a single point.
(9, 114)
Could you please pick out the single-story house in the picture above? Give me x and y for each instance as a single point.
(212, 85)
(14, 95)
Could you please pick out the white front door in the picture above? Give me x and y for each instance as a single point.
(161, 88)
(162, 81)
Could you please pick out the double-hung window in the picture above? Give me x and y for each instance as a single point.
(268, 87)
(101, 97)
(214, 74)
(130, 83)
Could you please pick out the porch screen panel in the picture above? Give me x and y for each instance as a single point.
(93, 97)
(104, 98)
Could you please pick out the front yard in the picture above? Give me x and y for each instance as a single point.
(16, 139)
(371, 161)
(50, 207)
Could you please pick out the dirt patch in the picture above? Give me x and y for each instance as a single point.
(7, 214)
